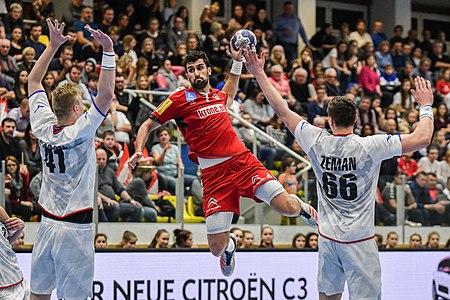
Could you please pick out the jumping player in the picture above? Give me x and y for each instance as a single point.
(229, 170)
(347, 168)
(12, 284)
(63, 256)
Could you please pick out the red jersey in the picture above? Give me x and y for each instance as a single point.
(204, 122)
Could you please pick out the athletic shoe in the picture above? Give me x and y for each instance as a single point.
(227, 261)
(308, 214)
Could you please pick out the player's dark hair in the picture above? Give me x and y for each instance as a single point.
(343, 111)
(196, 55)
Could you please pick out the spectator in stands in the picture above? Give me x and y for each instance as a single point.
(100, 241)
(299, 87)
(266, 237)
(366, 114)
(389, 85)
(180, 54)
(377, 34)
(122, 126)
(398, 57)
(415, 241)
(18, 191)
(167, 158)
(290, 184)
(129, 240)
(444, 173)
(299, 241)
(408, 165)
(182, 12)
(312, 240)
(33, 39)
(278, 57)
(426, 45)
(258, 108)
(354, 63)
(443, 85)
(416, 56)
(21, 115)
(239, 236)
(430, 163)
(177, 34)
(183, 239)
(436, 189)
(138, 190)
(344, 30)
(28, 60)
(304, 60)
(331, 84)
(74, 76)
(336, 59)
(379, 240)
(287, 26)
(145, 10)
(91, 52)
(16, 43)
(318, 107)
(13, 18)
(149, 52)
(403, 100)
(20, 89)
(440, 141)
(323, 40)
(428, 212)
(108, 187)
(160, 240)
(280, 81)
(59, 66)
(18, 244)
(91, 78)
(32, 154)
(383, 55)
(86, 18)
(438, 59)
(398, 35)
(216, 46)
(369, 79)
(8, 144)
(248, 239)
(192, 43)
(411, 38)
(360, 35)
(238, 21)
(433, 240)
(107, 19)
(165, 77)
(423, 70)
(129, 42)
(113, 150)
(49, 85)
(72, 12)
(391, 241)
(262, 22)
(127, 69)
(8, 65)
(159, 38)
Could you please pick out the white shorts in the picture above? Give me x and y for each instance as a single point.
(358, 263)
(19, 291)
(63, 257)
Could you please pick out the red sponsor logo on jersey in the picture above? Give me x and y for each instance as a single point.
(211, 110)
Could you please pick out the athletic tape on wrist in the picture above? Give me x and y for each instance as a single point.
(236, 68)
(108, 61)
(426, 111)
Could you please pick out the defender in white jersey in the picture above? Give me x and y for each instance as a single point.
(12, 284)
(63, 256)
(347, 168)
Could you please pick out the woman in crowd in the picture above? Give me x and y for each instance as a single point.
(183, 239)
(369, 79)
(312, 240)
(165, 77)
(20, 88)
(28, 59)
(354, 63)
(160, 240)
(266, 237)
(216, 46)
(49, 85)
(239, 236)
(148, 51)
(299, 241)
(129, 43)
(433, 240)
(259, 109)
(403, 99)
(100, 241)
(415, 241)
(129, 240)
(304, 61)
(277, 57)
(383, 55)
(442, 118)
(392, 240)
(128, 70)
(247, 239)
(16, 43)
(443, 85)
(31, 151)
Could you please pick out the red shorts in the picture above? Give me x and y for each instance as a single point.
(224, 183)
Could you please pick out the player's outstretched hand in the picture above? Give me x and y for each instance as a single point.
(254, 64)
(102, 38)
(56, 33)
(133, 160)
(422, 92)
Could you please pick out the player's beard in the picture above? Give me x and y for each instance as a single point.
(199, 84)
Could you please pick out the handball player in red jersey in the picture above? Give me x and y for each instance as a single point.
(229, 169)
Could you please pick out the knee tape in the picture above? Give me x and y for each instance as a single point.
(219, 222)
(269, 190)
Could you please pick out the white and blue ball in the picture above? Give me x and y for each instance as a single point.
(244, 38)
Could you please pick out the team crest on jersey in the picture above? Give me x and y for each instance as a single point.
(190, 97)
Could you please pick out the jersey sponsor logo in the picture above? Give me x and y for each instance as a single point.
(388, 138)
(190, 97)
(256, 179)
(211, 110)
(163, 106)
(213, 204)
(215, 96)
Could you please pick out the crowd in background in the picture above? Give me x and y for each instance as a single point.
(373, 67)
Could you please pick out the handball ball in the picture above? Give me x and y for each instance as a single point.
(243, 37)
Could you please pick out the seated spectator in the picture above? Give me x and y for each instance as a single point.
(360, 35)
(436, 189)
(137, 189)
(176, 34)
(403, 100)
(149, 52)
(369, 79)
(86, 18)
(129, 240)
(160, 240)
(389, 84)
(277, 57)
(430, 163)
(16, 43)
(112, 148)
(72, 12)
(331, 84)
(398, 57)
(8, 144)
(442, 144)
(216, 46)
(336, 59)
(28, 61)
(21, 115)
(392, 240)
(290, 184)
(20, 89)
(108, 187)
(165, 77)
(91, 51)
(168, 162)
(438, 59)
(59, 66)
(299, 87)
(304, 61)
(379, 240)
(312, 240)
(74, 76)
(238, 20)
(8, 65)
(423, 70)
(92, 83)
(433, 240)
(18, 192)
(318, 107)
(18, 244)
(49, 85)
(33, 39)
(442, 118)
(183, 239)
(443, 85)
(31, 152)
(100, 241)
(180, 55)
(415, 241)
(279, 80)
(239, 236)
(299, 241)
(259, 109)
(366, 115)
(383, 55)
(13, 18)
(247, 239)
(107, 19)
(408, 165)
(266, 237)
